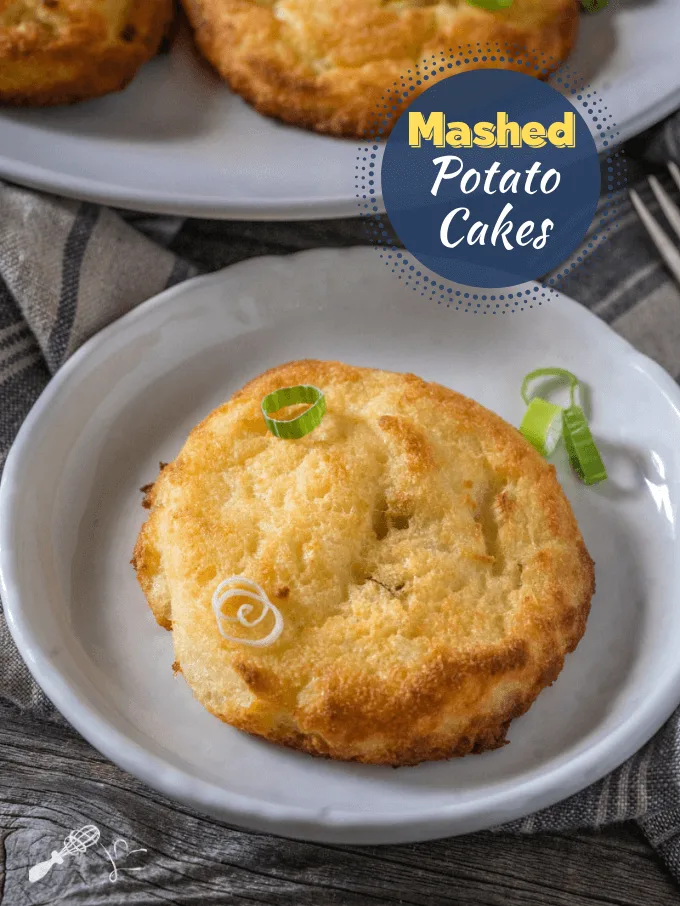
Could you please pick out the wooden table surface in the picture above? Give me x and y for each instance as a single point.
(52, 782)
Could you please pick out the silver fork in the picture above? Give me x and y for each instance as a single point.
(660, 238)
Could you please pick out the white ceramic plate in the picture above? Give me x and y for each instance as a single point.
(177, 141)
(70, 512)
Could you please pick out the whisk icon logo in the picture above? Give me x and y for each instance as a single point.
(77, 842)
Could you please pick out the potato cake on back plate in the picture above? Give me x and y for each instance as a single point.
(61, 51)
(328, 65)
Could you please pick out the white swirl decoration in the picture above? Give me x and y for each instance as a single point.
(241, 587)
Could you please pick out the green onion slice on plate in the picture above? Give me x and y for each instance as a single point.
(584, 456)
(562, 373)
(491, 4)
(294, 428)
(544, 423)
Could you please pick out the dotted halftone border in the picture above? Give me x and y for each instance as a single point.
(406, 267)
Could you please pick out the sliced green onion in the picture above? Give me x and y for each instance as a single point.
(542, 425)
(544, 422)
(294, 428)
(491, 4)
(550, 372)
(592, 6)
(584, 456)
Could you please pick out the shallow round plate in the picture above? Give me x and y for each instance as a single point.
(70, 512)
(177, 141)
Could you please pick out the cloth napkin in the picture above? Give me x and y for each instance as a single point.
(69, 268)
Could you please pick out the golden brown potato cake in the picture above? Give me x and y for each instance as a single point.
(427, 566)
(327, 65)
(60, 51)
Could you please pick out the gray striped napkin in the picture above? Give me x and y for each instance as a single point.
(69, 268)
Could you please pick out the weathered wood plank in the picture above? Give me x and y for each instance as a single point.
(52, 781)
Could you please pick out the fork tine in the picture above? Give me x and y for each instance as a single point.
(665, 246)
(667, 206)
(675, 173)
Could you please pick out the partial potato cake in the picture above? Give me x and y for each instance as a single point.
(327, 64)
(427, 566)
(60, 51)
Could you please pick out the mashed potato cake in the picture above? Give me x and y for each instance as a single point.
(327, 65)
(427, 566)
(60, 51)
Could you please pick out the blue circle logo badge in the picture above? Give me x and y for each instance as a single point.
(491, 178)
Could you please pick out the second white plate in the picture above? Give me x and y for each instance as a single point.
(70, 513)
(177, 141)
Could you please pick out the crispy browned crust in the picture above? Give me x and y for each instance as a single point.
(329, 66)
(457, 698)
(146, 559)
(62, 51)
